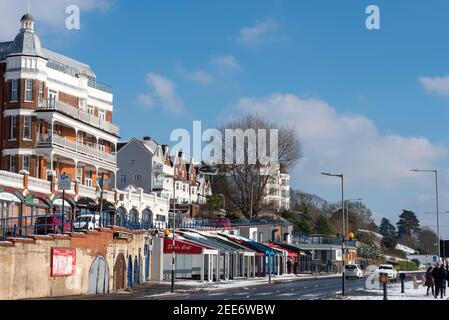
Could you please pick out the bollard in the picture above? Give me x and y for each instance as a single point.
(402, 276)
(385, 291)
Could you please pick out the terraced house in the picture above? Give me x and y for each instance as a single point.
(56, 116)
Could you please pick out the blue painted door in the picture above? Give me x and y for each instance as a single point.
(130, 272)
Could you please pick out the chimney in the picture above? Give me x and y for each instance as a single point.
(146, 138)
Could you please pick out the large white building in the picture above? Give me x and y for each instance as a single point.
(277, 189)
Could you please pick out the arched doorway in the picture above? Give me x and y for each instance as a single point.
(146, 252)
(99, 276)
(119, 272)
(10, 211)
(136, 278)
(130, 272)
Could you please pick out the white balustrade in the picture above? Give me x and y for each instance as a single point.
(11, 179)
(88, 192)
(38, 185)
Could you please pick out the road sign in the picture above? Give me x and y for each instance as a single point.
(64, 182)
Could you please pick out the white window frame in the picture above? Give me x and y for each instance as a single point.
(138, 177)
(14, 94)
(27, 124)
(122, 179)
(13, 128)
(28, 90)
(12, 163)
(101, 148)
(41, 90)
(26, 167)
(79, 174)
(101, 114)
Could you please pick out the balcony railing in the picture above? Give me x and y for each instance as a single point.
(84, 116)
(38, 185)
(88, 192)
(11, 179)
(77, 147)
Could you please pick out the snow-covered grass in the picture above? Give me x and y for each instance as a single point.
(393, 293)
(192, 285)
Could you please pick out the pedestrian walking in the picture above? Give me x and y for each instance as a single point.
(439, 277)
(289, 266)
(430, 283)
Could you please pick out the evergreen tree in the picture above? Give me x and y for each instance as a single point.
(408, 227)
(322, 226)
(387, 229)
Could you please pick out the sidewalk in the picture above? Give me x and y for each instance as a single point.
(393, 293)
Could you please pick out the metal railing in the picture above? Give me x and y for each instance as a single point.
(77, 147)
(84, 116)
(28, 226)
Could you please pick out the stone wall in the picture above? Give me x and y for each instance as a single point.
(25, 264)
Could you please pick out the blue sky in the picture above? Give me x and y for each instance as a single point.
(370, 103)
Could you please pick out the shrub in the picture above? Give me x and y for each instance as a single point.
(408, 266)
(416, 261)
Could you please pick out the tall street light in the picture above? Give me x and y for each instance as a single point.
(347, 211)
(437, 204)
(341, 176)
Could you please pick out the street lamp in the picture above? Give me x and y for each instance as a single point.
(341, 176)
(437, 203)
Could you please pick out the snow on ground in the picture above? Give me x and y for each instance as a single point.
(393, 293)
(192, 285)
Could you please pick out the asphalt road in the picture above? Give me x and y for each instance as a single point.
(313, 289)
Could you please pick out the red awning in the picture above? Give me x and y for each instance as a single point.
(182, 247)
(290, 253)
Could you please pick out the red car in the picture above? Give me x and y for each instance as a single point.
(223, 223)
(52, 225)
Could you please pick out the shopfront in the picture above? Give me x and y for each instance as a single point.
(11, 202)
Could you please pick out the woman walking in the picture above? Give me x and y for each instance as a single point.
(429, 281)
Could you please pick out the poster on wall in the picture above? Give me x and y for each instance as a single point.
(63, 262)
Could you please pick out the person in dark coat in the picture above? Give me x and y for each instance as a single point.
(439, 276)
(430, 283)
(289, 266)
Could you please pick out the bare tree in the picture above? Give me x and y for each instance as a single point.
(249, 181)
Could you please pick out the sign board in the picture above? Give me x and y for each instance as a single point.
(383, 277)
(63, 262)
(181, 247)
(64, 182)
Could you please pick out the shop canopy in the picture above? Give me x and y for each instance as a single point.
(205, 241)
(186, 247)
(251, 244)
(239, 247)
(290, 253)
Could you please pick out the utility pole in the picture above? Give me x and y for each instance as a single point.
(173, 240)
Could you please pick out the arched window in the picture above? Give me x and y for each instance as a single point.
(133, 219)
(147, 219)
(121, 217)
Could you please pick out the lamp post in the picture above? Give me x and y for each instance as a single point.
(173, 239)
(341, 176)
(437, 204)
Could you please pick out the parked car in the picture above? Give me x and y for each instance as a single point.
(223, 223)
(353, 271)
(390, 270)
(52, 224)
(87, 222)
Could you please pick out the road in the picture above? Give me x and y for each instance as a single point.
(313, 289)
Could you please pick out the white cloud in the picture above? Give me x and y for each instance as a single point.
(49, 14)
(225, 63)
(436, 85)
(165, 91)
(145, 100)
(200, 76)
(262, 32)
(346, 143)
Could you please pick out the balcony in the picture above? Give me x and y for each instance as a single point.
(11, 179)
(84, 116)
(76, 147)
(38, 185)
(88, 192)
